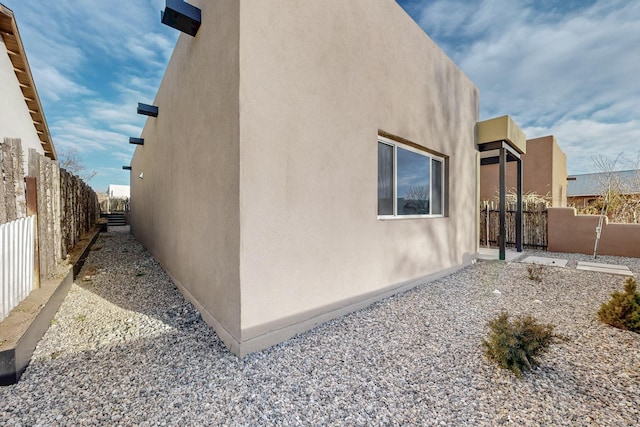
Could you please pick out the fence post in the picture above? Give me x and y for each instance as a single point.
(486, 238)
(519, 216)
(502, 175)
(32, 209)
(8, 170)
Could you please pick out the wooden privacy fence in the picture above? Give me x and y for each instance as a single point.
(17, 240)
(47, 206)
(64, 208)
(115, 204)
(534, 225)
(81, 209)
(67, 209)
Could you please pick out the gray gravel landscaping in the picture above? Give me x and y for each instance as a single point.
(127, 349)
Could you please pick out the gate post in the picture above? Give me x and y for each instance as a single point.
(519, 215)
(32, 209)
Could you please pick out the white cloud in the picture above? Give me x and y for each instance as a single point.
(84, 138)
(571, 72)
(583, 140)
(52, 85)
(127, 129)
(67, 37)
(113, 113)
(92, 62)
(124, 156)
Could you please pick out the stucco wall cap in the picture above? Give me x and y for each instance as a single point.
(502, 129)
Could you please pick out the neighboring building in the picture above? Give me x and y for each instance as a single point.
(585, 189)
(266, 184)
(115, 200)
(21, 113)
(119, 191)
(544, 172)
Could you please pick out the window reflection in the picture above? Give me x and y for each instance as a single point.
(385, 179)
(410, 182)
(413, 183)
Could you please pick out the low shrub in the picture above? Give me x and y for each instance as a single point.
(517, 345)
(535, 272)
(623, 309)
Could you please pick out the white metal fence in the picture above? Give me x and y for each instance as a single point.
(17, 244)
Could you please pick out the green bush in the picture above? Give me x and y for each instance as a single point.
(623, 309)
(516, 345)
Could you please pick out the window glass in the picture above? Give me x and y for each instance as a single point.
(385, 179)
(437, 187)
(410, 182)
(413, 183)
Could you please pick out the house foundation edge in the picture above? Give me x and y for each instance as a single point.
(269, 334)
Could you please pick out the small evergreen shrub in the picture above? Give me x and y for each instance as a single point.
(516, 345)
(535, 272)
(623, 309)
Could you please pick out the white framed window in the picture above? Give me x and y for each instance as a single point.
(410, 181)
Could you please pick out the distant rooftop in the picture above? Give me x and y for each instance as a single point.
(593, 184)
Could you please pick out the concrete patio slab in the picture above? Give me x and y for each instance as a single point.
(557, 262)
(605, 268)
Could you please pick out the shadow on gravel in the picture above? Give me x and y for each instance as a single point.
(412, 359)
(120, 271)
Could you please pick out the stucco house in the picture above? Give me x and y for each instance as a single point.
(21, 113)
(544, 169)
(307, 159)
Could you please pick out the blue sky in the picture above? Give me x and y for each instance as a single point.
(569, 68)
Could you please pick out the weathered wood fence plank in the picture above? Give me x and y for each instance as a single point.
(13, 199)
(67, 208)
(534, 234)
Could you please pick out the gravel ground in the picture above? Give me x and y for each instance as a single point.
(126, 348)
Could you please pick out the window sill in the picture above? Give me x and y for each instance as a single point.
(401, 217)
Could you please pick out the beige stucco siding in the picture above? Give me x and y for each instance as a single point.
(317, 83)
(544, 171)
(259, 194)
(559, 176)
(186, 208)
(15, 120)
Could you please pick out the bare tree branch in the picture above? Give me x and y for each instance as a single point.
(69, 159)
(619, 199)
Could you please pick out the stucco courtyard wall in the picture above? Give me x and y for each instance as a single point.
(259, 194)
(573, 233)
(185, 209)
(317, 84)
(544, 172)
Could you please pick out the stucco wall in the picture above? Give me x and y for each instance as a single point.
(259, 194)
(15, 120)
(317, 83)
(559, 175)
(185, 210)
(573, 233)
(544, 168)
